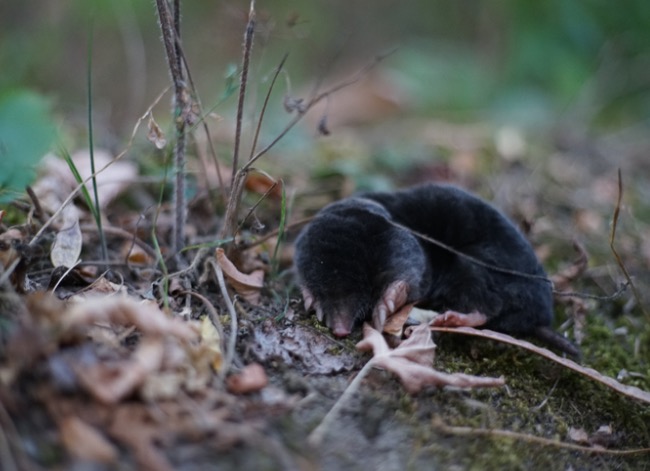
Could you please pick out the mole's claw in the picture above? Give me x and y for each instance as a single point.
(319, 312)
(307, 298)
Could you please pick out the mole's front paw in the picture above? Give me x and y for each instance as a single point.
(394, 298)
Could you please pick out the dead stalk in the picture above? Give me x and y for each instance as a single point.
(170, 28)
(317, 435)
(232, 340)
(495, 433)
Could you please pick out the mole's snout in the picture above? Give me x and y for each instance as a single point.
(340, 325)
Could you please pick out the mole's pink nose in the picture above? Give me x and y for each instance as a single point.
(341, 327)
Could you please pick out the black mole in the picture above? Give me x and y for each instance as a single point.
(356, 263)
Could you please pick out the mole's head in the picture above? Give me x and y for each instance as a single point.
(338, 258)
(341, 314)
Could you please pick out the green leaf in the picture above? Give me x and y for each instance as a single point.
(26, 134)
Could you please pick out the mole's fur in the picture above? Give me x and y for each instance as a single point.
(354, 264)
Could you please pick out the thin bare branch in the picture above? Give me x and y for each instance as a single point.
(315, 100)
(496, 433)
(617, 257)
(248, 46)
(170, 28)
(266, 102)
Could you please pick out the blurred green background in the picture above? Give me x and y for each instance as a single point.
(556, 64)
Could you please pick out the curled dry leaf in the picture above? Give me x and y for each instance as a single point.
(394, 324)
(412, 361)
(145, 315)
(85, 442)
(247, 286)
(250, 379)
(155, 135)
(109, 383)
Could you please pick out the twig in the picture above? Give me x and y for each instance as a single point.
(497, 433)
(315, 100)
(248, 46)
(317, 435)
(273, 233)
(258, 202)
(170, 38)
(232, 341)
(266, 102)
(38, 209)
(197, 101)
(612, 238)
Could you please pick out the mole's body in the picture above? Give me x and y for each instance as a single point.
(354, 264)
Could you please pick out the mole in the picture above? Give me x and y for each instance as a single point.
(363, 258)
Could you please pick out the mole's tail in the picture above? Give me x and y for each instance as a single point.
(552, 338)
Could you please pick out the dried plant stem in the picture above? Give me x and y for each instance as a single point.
(496, 433)
(612, 238)
(170, 28)
(232, 340)
(243, 82)
(317, 435)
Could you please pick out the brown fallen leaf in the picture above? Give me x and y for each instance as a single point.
(85, 442)
(109, 383)
(211, 340)
(630, 391)
(247, 286)
(145, 315)
(394, 324)
(412, 361)
(155, 135)
(252, 378)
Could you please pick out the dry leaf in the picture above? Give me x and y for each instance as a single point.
(145, 315)
(86, 442)
(394, 324)
(211, 340)
(412, 361)
(68, 243)
(247, 286)
(250, 379)
(155, 135)
(109, 383)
